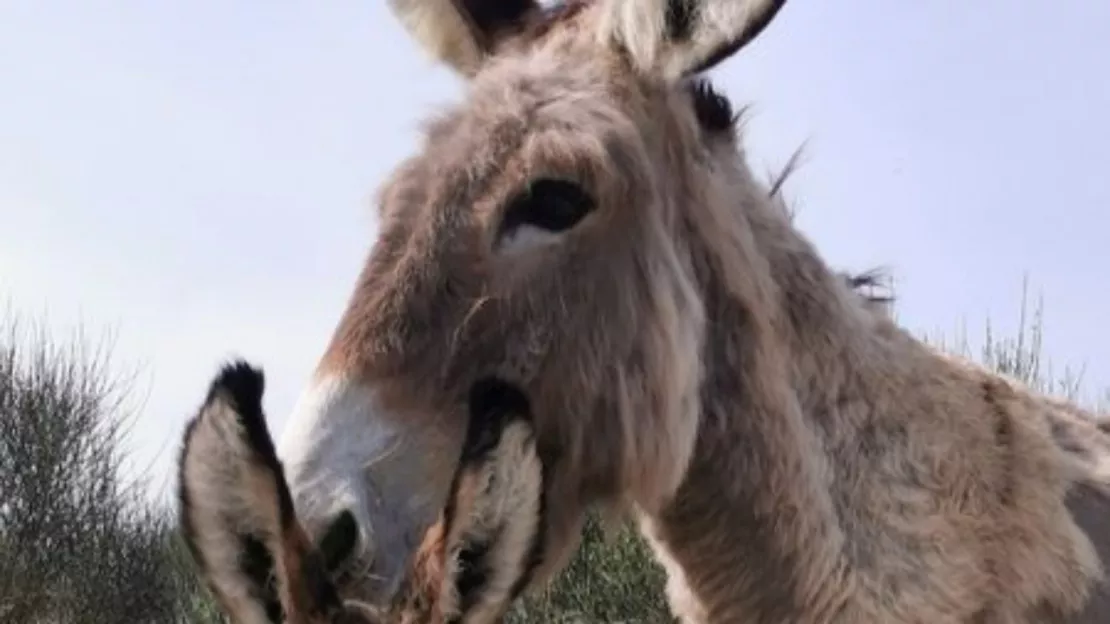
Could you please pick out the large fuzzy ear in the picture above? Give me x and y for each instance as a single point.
(493, 524)
(462, 33)
(237, 515)
(675, 38)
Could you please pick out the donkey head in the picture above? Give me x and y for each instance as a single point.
(240, 525)
(541, 234)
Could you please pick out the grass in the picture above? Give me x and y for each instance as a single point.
(80, 544)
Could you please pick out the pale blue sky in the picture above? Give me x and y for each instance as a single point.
(197, 177)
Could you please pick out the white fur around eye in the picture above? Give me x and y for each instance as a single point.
(526, 236)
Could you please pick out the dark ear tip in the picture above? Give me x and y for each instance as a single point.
(491, 395)
(240, 383)
(240, 386)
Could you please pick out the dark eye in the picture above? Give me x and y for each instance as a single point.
(548, 204)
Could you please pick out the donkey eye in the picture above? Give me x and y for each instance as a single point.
(548, 204)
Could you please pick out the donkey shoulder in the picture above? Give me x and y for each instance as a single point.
(1084, 438)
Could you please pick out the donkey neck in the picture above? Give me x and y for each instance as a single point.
(752, 533)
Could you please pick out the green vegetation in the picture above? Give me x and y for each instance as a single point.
(80, 544)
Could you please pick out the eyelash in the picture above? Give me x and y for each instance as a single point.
(712, 108)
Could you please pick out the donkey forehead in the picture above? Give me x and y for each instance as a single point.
(541, 117)
(539, 101)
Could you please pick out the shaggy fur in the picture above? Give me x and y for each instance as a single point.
(792, 455)
(239, 522)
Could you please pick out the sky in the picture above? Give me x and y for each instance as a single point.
(195, 179)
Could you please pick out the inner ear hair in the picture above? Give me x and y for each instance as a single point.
(462, 33)
(493, 523)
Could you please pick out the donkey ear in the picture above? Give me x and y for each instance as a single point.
(462, 33)
(674, 38)
(493, 521)
(237, 515)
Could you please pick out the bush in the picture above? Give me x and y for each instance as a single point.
(77, 542)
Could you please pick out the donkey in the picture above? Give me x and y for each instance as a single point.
(240, 526)
(584, 225)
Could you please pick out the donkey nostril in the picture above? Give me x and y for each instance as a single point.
(339, 540)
